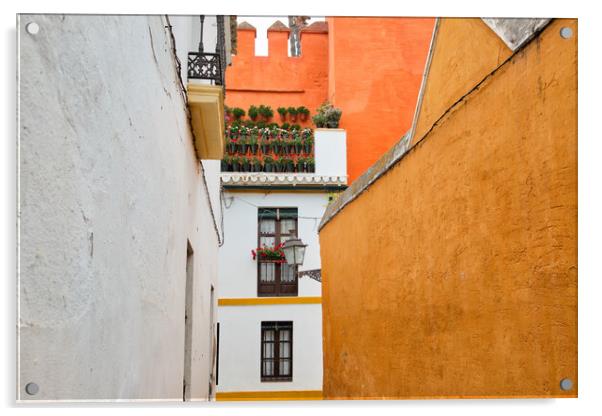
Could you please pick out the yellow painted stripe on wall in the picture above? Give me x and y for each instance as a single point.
(269, 395)
(269, 301)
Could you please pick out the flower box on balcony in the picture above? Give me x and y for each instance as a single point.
(269, 254)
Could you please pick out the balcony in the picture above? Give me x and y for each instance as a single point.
(206, 66)
(269, 150)
(277, 158)
(206, 104)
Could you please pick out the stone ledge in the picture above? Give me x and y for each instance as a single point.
(268, 179)
(363, 182)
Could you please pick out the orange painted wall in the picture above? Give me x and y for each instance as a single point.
(277, 79)
(371, 68)
(376, 67)
(455, 273)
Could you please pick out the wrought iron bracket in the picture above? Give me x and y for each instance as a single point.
(315, 274)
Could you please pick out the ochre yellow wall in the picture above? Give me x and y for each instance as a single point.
(455, 273)
(467, 51)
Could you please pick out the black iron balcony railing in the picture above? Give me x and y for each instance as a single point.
(210, 66)
(205, 66)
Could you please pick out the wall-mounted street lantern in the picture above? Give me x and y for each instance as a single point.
(294, 251)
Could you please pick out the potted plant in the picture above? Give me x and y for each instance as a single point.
(253, 112)
(268, 164)
(226, 163)
(244, 164)
(278, 164)
(264, 143)
(242, 145)
(235, 164)
(301, 164)
(266, 112)
(319, 120)
(274, 133)
(238, 113)
(308, 144)
(296, 127)
(292, 112)
(303, 113)
(253, 144)
(285, 126)
(233, 132)
(327, 116)
(288, 164)
(275, 146)
(231, 145)
(282, 112)
(286, 146)
(255, 164)
(298, 144)
(311, 164)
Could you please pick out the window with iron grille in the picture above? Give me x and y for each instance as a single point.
(277, 351)
(276, 225)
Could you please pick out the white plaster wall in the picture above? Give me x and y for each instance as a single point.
(240, 343)
(238, 270)
(110, 192)
(331, 152)
(240, 326)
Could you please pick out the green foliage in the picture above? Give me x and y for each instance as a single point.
(253, 112)
(319, 120)
(292, 111)
(282, 111)
(285, 126)
(302, 111)
(266, 112)
(327, 116)
(238, 113)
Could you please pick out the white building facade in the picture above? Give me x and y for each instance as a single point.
(119, 213)
(270, 314)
